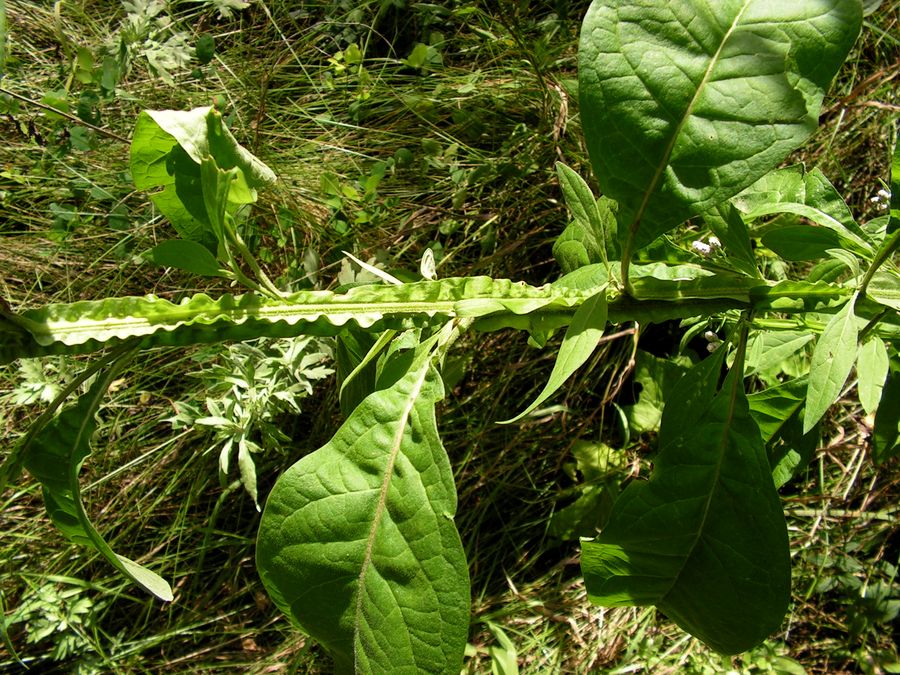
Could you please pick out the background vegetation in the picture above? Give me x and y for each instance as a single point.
(395, 127)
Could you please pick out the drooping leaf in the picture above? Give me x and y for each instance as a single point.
(189, 256)
(168, 149)
(55, 457)
(705, 538)
(200, 133)
(685, 103)
(872, 367)
(357, 542)
(580, 341)
(832, 361)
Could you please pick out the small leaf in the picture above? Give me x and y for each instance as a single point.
(772, 407)
(801, 242)
(768, 352)
(55, 457)
(872, 367)
(590, 237)
(580, 341)
(885, 288)
(705, 538)
(357, 542)
(726, 222)
(832, 361)
(185, 255)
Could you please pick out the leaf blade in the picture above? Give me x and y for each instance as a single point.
(357, 542)
(705, 539)
(832, 359)
(686, 103)
(582, 337)
(55, 457)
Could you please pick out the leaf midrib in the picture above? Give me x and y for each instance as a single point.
(381, 505)
(723, 447)
(664, 160)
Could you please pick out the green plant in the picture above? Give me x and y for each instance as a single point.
(247, 390)
(688, 108)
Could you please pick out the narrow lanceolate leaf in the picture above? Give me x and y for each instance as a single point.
(872, 366)
(580, 341)
(687, 102)
(832, 361)
(357, 542)
(705, 538)
(55, 457)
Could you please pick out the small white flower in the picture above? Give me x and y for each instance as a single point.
(714, 242)
(701, 248)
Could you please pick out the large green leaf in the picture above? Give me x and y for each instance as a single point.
(705, 538)
(200, 133)
(357, 542)
(687, 102)
(55, 456)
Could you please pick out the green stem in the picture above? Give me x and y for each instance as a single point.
(873, 324)
(265, 284)
(885, 252)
